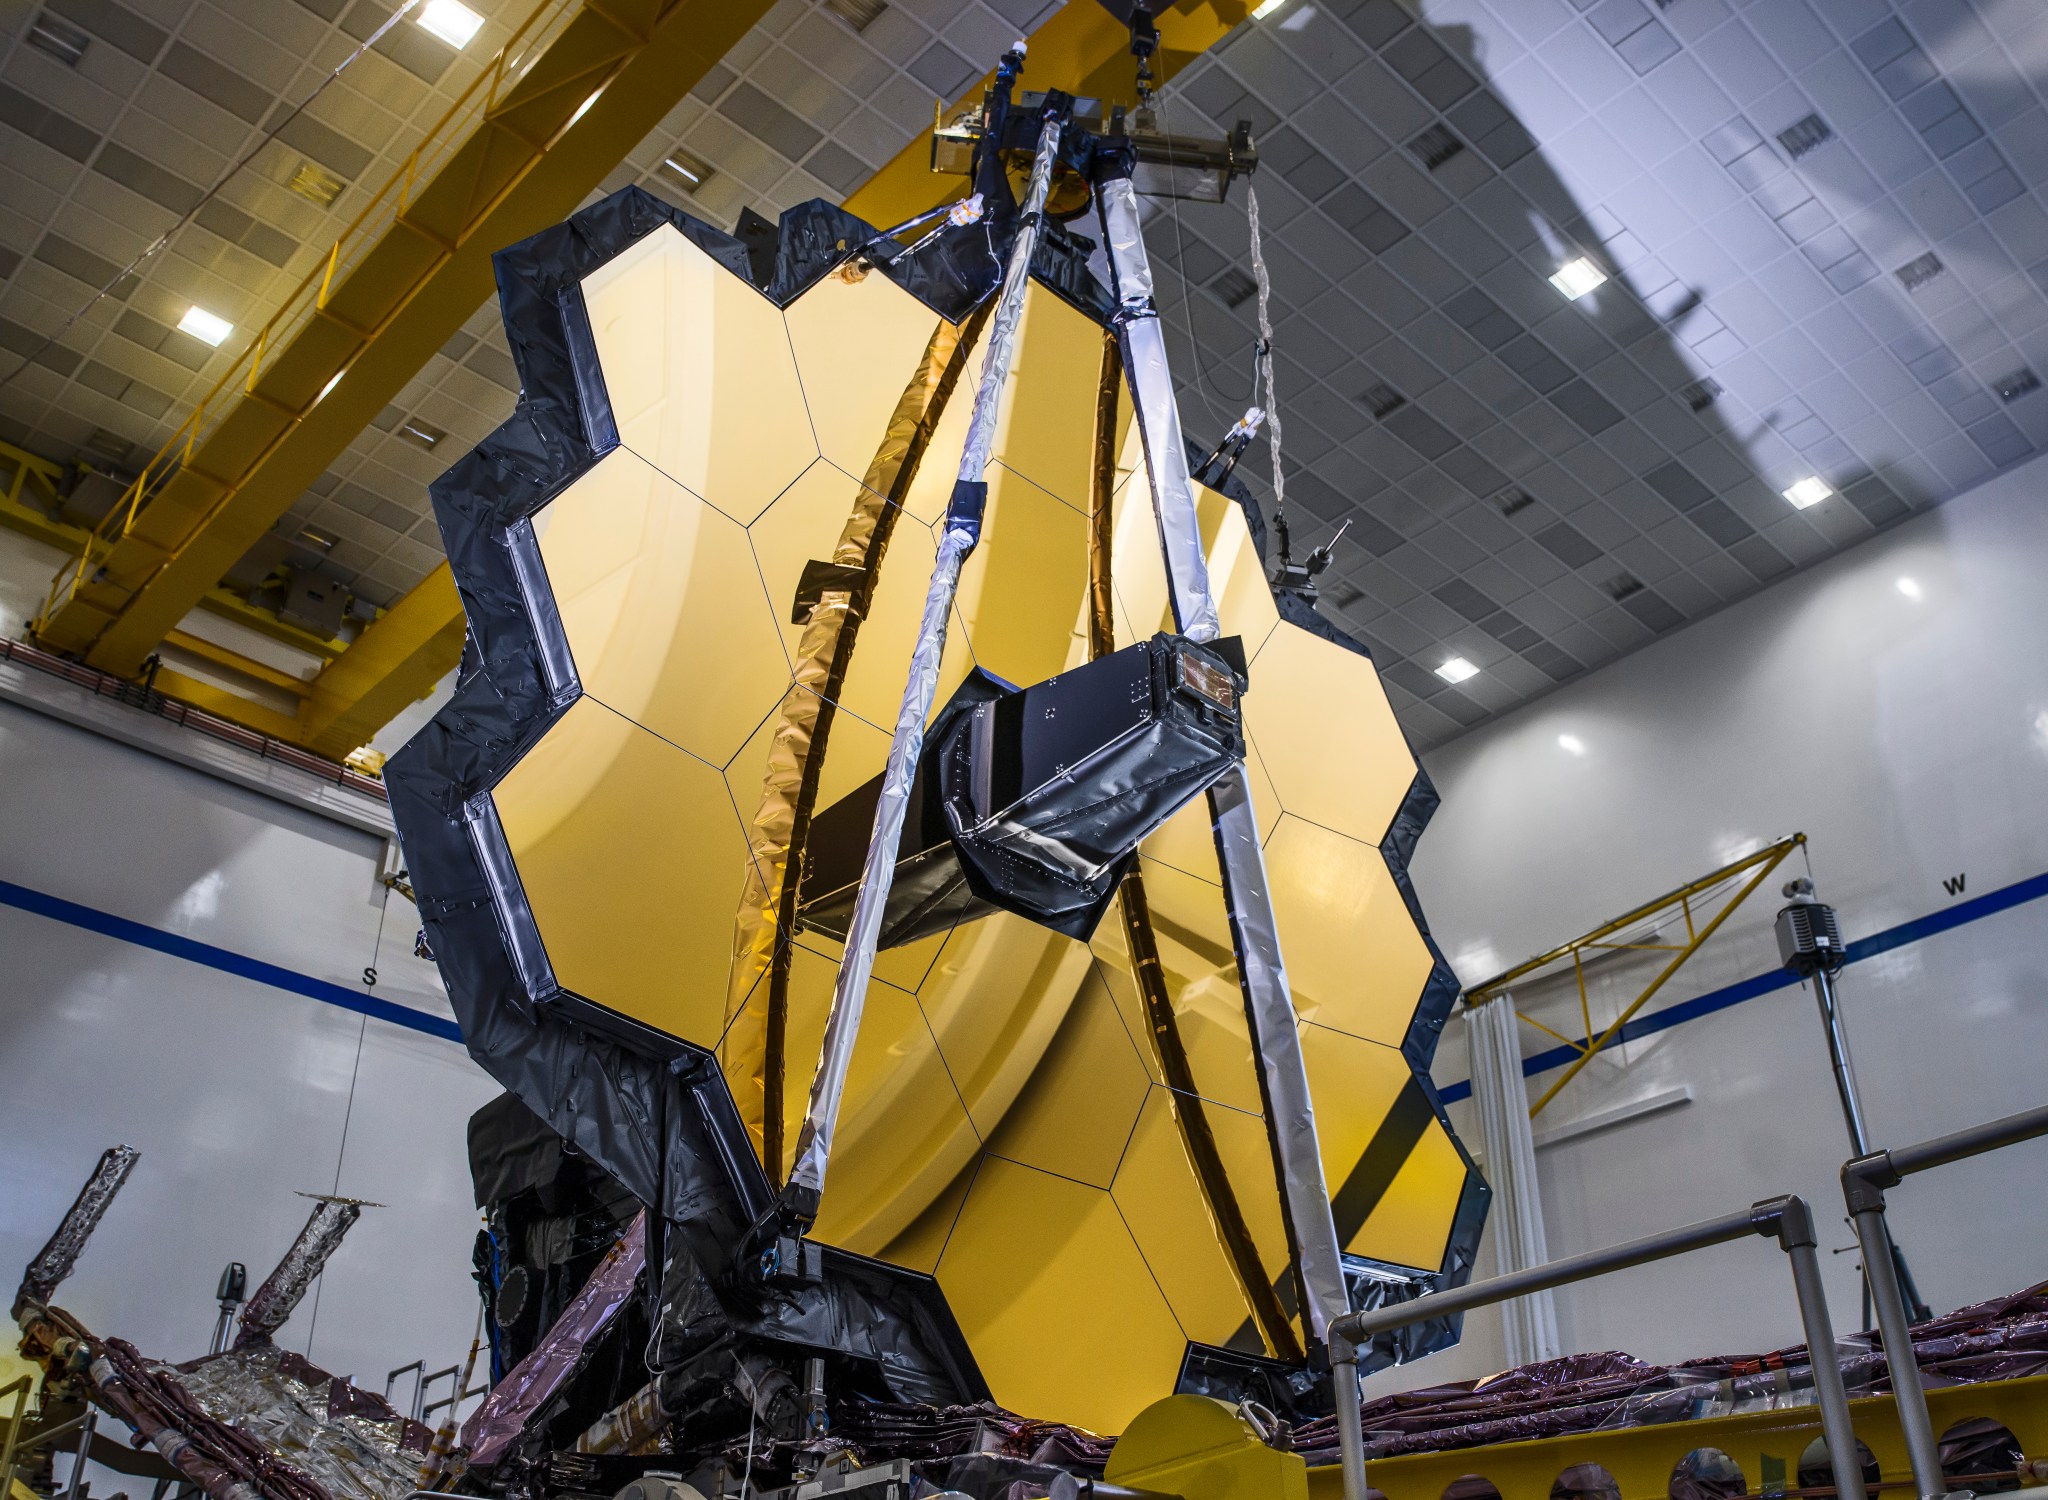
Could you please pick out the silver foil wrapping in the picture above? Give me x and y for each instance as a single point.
(878, 871)
(1151, 383)
(54, 1262)
(257, 1392)
(1270, 1006)
(1261, 972)
(1002, 334)
(265, 1312)
(864, 930)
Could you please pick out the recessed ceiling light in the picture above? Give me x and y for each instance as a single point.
(1457, 669)
(1577, 277)
(1809, 491)
(422, 435)
(1571, 743)
(205, 326)
(1266, 8)
(1910, 587)
(58, 39)
(859, 14)
(1233, 286)
(688, 171)
(315, 183)
(451, 21)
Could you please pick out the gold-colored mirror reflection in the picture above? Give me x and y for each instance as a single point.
(595, 815)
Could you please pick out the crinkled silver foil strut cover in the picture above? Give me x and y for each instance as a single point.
(55, 1260)
(849, 992)
(1151, 383)
(274, 1300)
(1002, 337)
(1255, 934)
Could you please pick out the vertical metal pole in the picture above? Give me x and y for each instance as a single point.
(1269, 1008)
(1838, 1055)
(85, 1432)
(1843, 1456)
(1350, 1428)
(962, 529)
(1915, 1425)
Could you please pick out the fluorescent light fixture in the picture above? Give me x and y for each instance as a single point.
(1457, 669)
(1261, 11)
(451, 21)
(1809, 491)
(1571, 743)
(325, 389)
(687, 171)
(1910, 587)
(204, 326)
(1577, 277)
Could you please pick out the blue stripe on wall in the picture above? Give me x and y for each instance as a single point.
(143, 935)
(106, 924)
(1961, 914)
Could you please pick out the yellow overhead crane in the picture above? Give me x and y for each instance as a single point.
(576, 88)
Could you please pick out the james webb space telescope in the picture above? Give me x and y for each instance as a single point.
(888, 820)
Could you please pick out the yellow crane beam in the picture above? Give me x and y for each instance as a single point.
(1082, 48)
(578, 86)
(128, 593)
(400, 655)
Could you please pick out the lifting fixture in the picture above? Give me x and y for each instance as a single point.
(1619, 935)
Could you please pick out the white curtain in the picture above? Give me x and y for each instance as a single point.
(1503, 1104)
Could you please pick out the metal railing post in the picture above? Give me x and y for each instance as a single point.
(1794, 1233)
(85, 1431)
(1863, 1185)
(1350, 1421)
(1864, 1180)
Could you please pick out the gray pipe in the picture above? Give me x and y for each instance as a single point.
(1254, 933)
(1358, 1327)
(1864, 1181)
(1895, 1328)
(1795, 1234)
(1990, 1136)
(1350, 1421)
(1838, 1056)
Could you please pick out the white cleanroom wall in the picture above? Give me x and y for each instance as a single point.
(240, 1094)
(1892, 704)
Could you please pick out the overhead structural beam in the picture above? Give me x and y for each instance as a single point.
(577, 88)
(397, 660)
(1082, 49)
(394, 662)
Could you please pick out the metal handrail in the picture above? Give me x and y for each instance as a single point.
(1864, 1180)
(1787, 1220)
(306, 300)
(20, 1390)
